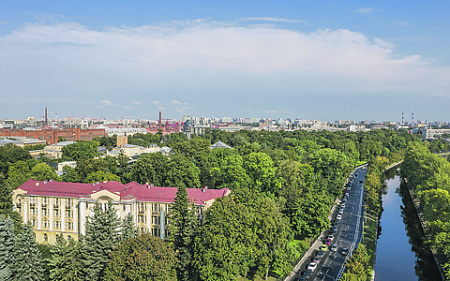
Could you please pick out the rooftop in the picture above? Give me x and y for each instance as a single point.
(129, 191)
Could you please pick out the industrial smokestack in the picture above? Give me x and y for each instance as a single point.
(412, 119)
(403, 118)
(159, 121)
(46, 117)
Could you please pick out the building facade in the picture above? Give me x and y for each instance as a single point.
(52, 136)
(56, 208)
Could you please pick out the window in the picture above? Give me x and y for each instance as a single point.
(45, 238)
(45, 223)
(155, 220)
(141, 219)
(44, 212)
(56, 213)
(142, 207)
(155, 207)
(34, 222)
(124, 208)
(68, 203)
(69, 237)
(57, 224)
(155, 232)
(69, 213)
(68, 225)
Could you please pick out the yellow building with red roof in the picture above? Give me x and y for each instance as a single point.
(55, 208)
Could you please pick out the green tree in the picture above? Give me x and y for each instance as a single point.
(101, 176)
(18, 174)
(43, 171)
(27, 262)
(260, 168)
(79, 150)
(142, 258)
(66, 262)
(128, 229)
(102, 236)
(7, 248)
(184, 223)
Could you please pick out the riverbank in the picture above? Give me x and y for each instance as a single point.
(410, 195)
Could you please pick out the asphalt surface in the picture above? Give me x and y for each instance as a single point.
(348, 234)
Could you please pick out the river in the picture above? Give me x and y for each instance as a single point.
(401, 255)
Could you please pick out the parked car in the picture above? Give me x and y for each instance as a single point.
(328, 242)
(320, 253)
(360, 181)
(312, 266)
(344, 251)
(334, 247)
(338, 217)
(342, 205)
(323, 248)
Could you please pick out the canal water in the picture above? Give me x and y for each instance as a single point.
(401, 253)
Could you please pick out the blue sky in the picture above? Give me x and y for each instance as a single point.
(326, 60)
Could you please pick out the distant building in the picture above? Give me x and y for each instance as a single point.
(432, 133)
(53, 151)
(122, 140)
(131, 150)
(52, 136)
(20, 141)
(61, 208)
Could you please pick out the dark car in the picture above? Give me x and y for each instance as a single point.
(306, 273)
(360, 181)
(320, 253)
(344, 251)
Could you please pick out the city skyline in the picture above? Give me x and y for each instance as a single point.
(325, 61)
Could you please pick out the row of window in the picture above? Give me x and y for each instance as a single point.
(56, 212)
(56, 224)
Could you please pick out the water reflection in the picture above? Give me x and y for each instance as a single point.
(401, 252)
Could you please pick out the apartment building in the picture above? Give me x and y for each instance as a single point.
(56, 208)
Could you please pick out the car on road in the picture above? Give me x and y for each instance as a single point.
(344, 251)
(334, 247)
(328, 242)
(316, 259)
(306, 273)
(323, 248)
(312, 266)
(360, 181)
(301, 279)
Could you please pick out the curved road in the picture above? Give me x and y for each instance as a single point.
(348, 234)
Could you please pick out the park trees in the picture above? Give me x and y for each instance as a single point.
(142, 258)
(79, 150)
(184, 224)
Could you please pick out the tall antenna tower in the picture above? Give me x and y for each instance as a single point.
(403, 119)
(412, 119)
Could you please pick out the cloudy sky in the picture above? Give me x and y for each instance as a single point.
(326, 60)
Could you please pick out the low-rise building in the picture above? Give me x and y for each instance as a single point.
(61, 208)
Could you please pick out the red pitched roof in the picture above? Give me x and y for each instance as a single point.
(126, 191)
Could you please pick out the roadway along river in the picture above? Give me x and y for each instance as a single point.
(396, 259)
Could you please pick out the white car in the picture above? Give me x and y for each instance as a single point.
(341, 210)
(312, 266)
(334, 247)
(338, 217)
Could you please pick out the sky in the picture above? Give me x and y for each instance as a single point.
(324, 60)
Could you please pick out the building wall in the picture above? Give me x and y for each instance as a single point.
(51, 135)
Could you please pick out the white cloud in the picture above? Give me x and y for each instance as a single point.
(174, 61)
(127, 107)
(368, 10)
(137, 102)
(271, 19)
(106, 102)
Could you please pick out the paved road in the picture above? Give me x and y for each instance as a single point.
(348, 233)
